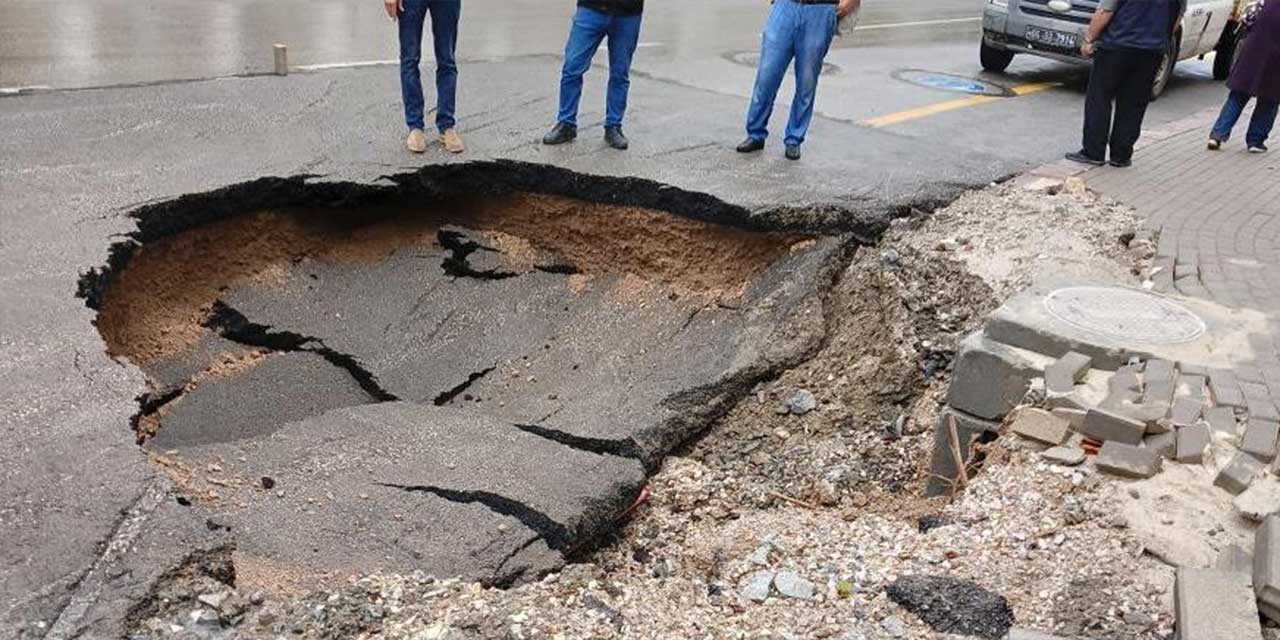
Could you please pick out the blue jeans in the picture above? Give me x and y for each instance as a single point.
(796, 31)
(590, 27)
(444, 35)
(1264, 118)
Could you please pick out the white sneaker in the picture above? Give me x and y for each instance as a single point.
(1259, 148)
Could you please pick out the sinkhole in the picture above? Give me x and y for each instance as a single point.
(468, 373)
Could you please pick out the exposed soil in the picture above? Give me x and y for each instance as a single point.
(155, 308)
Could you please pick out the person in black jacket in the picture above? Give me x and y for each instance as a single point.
(618, 20)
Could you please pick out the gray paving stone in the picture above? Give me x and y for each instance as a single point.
(1261, 405)
(1186, 411)
(1226, 388)
(1041, 426)
(1106, 426)
(1074, 417)
(1128, 461)
(1238, 474)
(989, 378)
(1260, 500)
(1215, 605)
(1235, 559)
(1266, 567)
(1067, 371)
(942, 462)
(1222, 419)
(1164, 443)
(1260, 438)
(1192, 441)
(1066, 455)
(1193, 386)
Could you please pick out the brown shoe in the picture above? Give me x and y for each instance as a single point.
(417, 141)
(452, 141)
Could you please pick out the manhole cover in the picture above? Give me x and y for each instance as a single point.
(951, 82)
(752, 59)
(1125, 314)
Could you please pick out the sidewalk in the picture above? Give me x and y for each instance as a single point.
(1218, 219)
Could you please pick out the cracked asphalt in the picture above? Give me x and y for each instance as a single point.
(89, 522)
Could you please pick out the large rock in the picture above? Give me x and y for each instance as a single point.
(400, 486)
(990, 378)
(950, 605)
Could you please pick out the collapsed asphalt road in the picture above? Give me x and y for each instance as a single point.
(345, 379)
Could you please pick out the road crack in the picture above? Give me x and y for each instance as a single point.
(557, 536)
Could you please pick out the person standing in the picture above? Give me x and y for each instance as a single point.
(412, 15)
(1256, 74)
(799, 30)
(1127, 40)
(595, 20)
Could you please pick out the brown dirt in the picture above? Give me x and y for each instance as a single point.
(155, 307)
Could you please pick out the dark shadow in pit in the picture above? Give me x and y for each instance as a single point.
(449, 374)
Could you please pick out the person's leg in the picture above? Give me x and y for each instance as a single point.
(1231, 110)
(624, 35)
(777, 48)
(1260, 125)
(444, 34)
(1132, 99)
(1097, 104)
(410, 24)
(584, 38)
(817, 28)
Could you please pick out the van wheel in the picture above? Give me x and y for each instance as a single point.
(1226, 53)
(994, 59)
(1165, 71)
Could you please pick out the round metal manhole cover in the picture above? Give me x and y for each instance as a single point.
(1127, 315)
(752, 59)
(951, 82)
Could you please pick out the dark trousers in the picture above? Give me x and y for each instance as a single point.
(1120, 84)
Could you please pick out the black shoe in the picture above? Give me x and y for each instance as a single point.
(1258, 148)
(1081, 157)
(793, 152)
(750, 145)
(560, 134)
(614, 137)
(1121, 163)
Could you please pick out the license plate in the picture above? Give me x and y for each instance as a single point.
(1051, 38)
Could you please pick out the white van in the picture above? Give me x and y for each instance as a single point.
(1055, 29)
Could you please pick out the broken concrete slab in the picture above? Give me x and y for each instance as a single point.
(1215, 605)
(402, 486)
(1074, 417)
(1266, 567)
(1238, 474)
(989, 378)
(943, 467)
(1062, 376)
(1069, 456)
(1222, 420)
(1041, 426)
(1192, 442)
(1260, 439)
(1107, 426)
(1261, 500)
(1164, 443)
(1128, 461)
(1112, 324)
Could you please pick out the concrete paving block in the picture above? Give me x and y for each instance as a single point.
(1261, 500)
(1186, 411)
(1159, 391)
(1226, 389)
(942, 463)
(1259, 402)
(1193, 386)
(1128, 461)
(1041, 426)
(1164, 443)
(1266, 567)
(1192, 441)
(1222, 419)
(1158, 370)
(1066, 455)
(1106, 426)
(1063, 375)
(1074, 417)
(1260, 438)
(1215, 605)
(1238, 474)
(1235, 559)
(1192, 369)
(1125, 379)
(990, 378)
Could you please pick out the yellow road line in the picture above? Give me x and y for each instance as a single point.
(952, 105)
